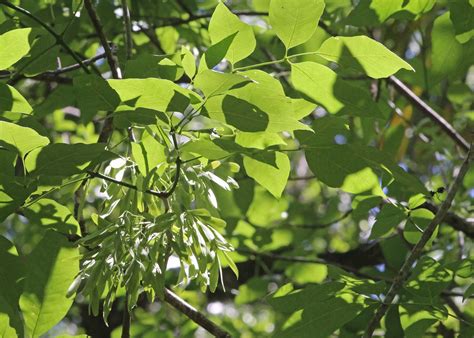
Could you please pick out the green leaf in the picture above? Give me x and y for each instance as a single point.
(416, 319)
(211, 149)
(320, 318)
(65, 159)
(148, 153)
(303, 273)
(224, 24)
(469, 292)
(50, 214)
(13, 193)
(11, 100)
(227, 261)
(213, 83)
(11, 272)
(373, 12)
(462, 16)
(362, 54)
(145, 66)
(387, 219)
(50, 269)
(418, 221)
(428, 279)
(216, 53)
(295, 21)
(449, 57)
(254, 107)
(255, 289)
(289, 302)
(155, 94)
(20, 139)
(269, 169)
(351, 167)
(188, 62)
(93, 93)
(258, 140)
(15, 44)
(325, 87)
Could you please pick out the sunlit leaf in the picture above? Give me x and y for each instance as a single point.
(295, 21)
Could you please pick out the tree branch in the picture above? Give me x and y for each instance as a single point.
(59, 38)
(111, 60)
(429, 112)
(193, 314)
(126, 320)
(160, 194)
(405, 270)
(128, 29)
(114, 68)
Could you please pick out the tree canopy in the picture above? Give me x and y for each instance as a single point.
(244, 168)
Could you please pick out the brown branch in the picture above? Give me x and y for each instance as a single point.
(193, 314)
(74, 66)
(405, 270)
(429, 112)
(59, 38)
(128, 29)
(126, 319)
(111, 60)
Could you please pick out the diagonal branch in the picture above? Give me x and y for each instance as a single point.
(428, 111)
(193, 314)
(111, 60)
(59, 38)
(405, 270)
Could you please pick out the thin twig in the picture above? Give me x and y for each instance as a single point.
(428, 111)
(193, 314)
(59, 38)
(52, 75)
(160, 194)
(405, 270)
(74, 66)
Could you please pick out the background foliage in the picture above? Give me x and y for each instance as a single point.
(274, 163)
